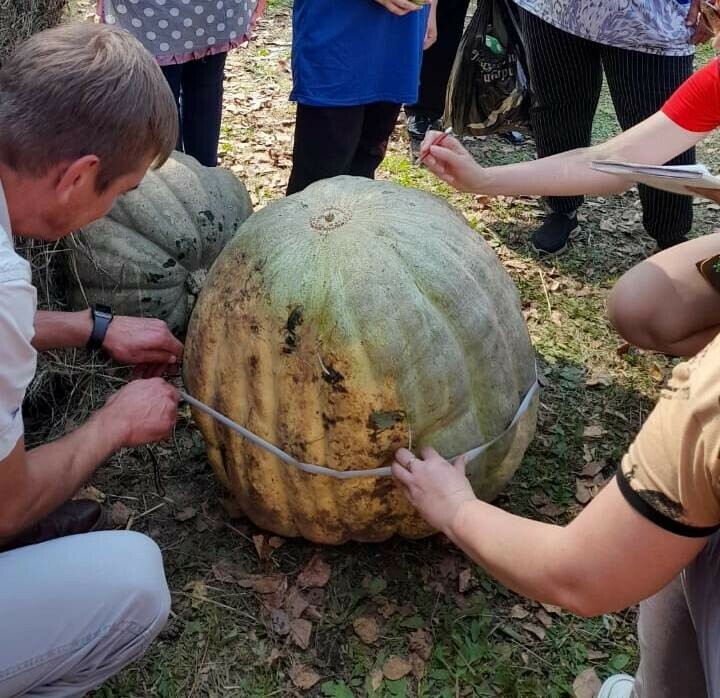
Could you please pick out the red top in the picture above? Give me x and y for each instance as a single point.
(695, 106)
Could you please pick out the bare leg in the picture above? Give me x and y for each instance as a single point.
(664, 304)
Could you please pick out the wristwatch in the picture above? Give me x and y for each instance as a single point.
(102, 316)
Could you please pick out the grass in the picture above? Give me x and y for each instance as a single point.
(485, 641)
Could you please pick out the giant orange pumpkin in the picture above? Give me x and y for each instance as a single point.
(340, 324)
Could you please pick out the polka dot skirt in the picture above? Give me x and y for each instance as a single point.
(177, 30)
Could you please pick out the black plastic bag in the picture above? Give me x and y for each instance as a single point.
(488, 90)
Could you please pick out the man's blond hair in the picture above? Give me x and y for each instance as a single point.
(84, 89)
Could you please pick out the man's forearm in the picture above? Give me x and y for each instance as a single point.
(58, 330)
(56, 471)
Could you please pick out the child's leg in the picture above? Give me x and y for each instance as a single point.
(665, 304)
(379, 120)
(202, 99)
(326, 139)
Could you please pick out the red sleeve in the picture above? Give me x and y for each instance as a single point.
(695, 106)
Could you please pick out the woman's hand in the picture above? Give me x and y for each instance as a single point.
(401, 7)
(452, 163)
(434, 487)
(431, 33)
(712, 194)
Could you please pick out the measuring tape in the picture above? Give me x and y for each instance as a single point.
(348, 474)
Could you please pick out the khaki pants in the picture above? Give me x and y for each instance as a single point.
(679, 633)
(76, 610)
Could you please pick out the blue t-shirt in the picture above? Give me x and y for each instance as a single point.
(351, 52)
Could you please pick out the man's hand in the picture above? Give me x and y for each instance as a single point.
(695, 19)
(143, 411)
(434, 487)
(452, 163)
(143, 342)
(431, 33)
(401, 7)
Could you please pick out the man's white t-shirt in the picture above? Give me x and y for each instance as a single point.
(18, 303)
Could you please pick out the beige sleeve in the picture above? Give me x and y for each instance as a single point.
(669, 472)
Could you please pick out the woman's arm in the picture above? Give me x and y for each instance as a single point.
(653, 142)
(608, 558)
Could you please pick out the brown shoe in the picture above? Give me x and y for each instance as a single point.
(73, 517)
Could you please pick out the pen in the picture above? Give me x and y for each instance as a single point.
(437, 141)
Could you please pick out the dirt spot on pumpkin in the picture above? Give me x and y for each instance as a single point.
(295, 319)
(334, 378)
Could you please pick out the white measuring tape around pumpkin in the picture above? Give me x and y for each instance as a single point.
(347, 474)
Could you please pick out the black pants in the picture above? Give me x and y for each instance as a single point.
(198, 89)
(331, 141)
(438, 60)
(566, 74)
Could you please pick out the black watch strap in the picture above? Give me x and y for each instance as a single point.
(102, 316)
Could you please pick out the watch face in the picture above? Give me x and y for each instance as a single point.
(102, 310)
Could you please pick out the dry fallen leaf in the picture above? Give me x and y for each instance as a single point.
(536, 630)
(367, 629)
(594, 431)
(198, 591)
(518, 612)
(418, 665)
(587, 684)
(388, 610)
(303, 677)
(120, 514)
(594, 655)
(262, 548)
(421, 643)
(315, 597)
(598, 377)
(656, 373)
(552, 610)
(315, 574)
(551, 510)
(395, 668)
(556, 317)
(583, 493)
(275, 542)
(280, 622)
(295, 603)
(90, 492)
(301, 630)
(376, 679)
(265, 584)
(449, 567)
(186, 514)
(539, 499)
(544, 617)
(224, 571)
(464, 580)
(592, 468)
(274, 655)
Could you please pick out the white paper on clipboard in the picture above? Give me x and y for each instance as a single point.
(680, 179)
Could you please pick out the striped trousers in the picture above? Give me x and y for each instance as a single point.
(566, 75)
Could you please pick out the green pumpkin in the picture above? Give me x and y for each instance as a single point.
(149, 256)
(342, 323)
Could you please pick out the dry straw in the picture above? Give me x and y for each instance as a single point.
(19, 19)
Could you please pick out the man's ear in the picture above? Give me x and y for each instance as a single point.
(79, 176)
